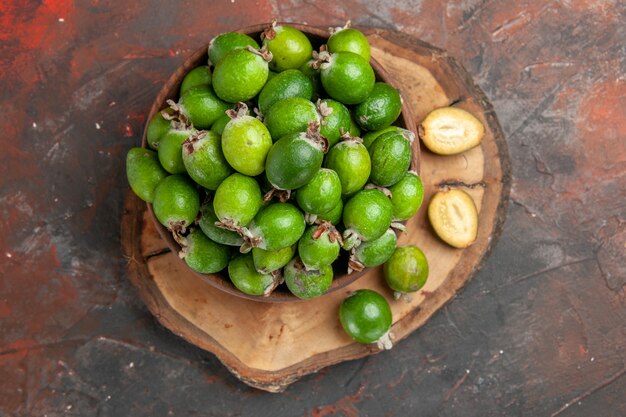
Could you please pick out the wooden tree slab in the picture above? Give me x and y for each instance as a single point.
(269, 346)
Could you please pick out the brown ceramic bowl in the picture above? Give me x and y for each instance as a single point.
(170, 90)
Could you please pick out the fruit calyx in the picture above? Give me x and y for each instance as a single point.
(327, 227)
(239, 111)
(347, 137)
(334, 30)
(194, 137)
(249, 240)
(177, 118)
(324, 110)
(263, 52)
(321, 59)
(383, 190)
(277, 280)
(313, 134)
(353, 264)
(282, 195)
(351, 239)
(270, 32)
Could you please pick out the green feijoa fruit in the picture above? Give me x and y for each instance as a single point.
(355, 130)
(391, 157)
(204, 160)
(201, 106)
(350, 40)
(333, 216)
(171, 150)
(176, 203)
(287, 84)
(294, 160)
(274, 227)
(370, 137)
(266, 261)
(380, 109)
(335, 120)
(144, 172)
(271, 75)
(202, 254)
(245, 143)
(366, 217)
(248, 280)
(217, 234)
(373, 253)
(240, 75)
(290, 47)
(319, 246)
(219, 124)
(346, 76)
(158, 127)
(366, 316)
(406, 196)
(351, 161)
(195, 77)
(292, 115)
(313, 74)
(321, 194)
(222, 44)
(407, 269)
(307, 284)
(237, 200)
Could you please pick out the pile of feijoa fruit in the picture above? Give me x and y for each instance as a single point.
(275, 158)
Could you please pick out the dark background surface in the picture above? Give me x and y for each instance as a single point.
(539, 331)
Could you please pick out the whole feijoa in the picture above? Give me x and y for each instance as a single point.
(217, 234)
(373, 253)
(289, 46)
(294, 160)
(407, 269)
(321, 194)
(287, 84)
(350, 40)
(237, 200)
(246, 142)
(307, 284)
(171, 149)
(201, 106)
(266, 261)
(380, 109)
(202, 254)
(275, 227)
(288, 116)
(319, 246)
(351, 161)
(241, 74)
(370, 137)
(222, 44)
(366, 216)
(176, 203)
(406, 196)
(157, 127)
(346, 76)
(335, 120)
(366, 316)
(197, 76)
(204, 160)
(391, 158)
(248, 280)
(144, 172)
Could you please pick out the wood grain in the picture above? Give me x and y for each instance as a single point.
(271, 345)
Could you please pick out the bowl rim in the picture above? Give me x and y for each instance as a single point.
(169, 90)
